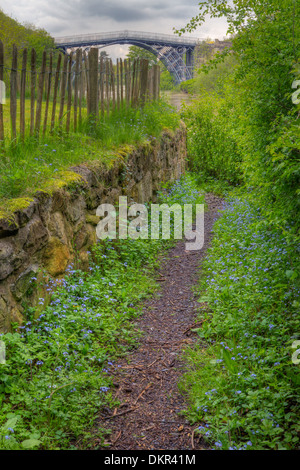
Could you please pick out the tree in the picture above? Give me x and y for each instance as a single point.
(104, 55)
(265, 40)
(23, 36)
(136, 52)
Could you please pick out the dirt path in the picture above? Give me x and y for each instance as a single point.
(146, 380)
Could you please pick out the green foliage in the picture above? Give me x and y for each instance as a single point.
(23, 36)
(27, 166)
(258, 97)
(55, 378)
(188, 86)
(184, 191)
(210, 77)
(167, 81)
(241, 382)
(213, 79)
(212, 148)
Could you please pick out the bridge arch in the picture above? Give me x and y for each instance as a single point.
(174, 52)
(172, 58)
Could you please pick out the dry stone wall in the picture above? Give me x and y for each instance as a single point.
(41, 241)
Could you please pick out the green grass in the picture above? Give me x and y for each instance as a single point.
(28, 166)
(242, 384)
(57, 376)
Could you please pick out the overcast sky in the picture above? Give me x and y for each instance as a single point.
(70, 17)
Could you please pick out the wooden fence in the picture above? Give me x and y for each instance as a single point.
(42, 98)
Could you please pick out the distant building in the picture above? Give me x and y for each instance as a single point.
(205, 50)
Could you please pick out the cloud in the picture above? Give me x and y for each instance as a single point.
(118, 11)
(70, 17)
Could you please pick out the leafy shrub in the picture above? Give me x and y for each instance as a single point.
(212, 149)
(258, 125)
(57, 375)
(242, 383)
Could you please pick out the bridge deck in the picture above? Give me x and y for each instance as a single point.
(124, 36)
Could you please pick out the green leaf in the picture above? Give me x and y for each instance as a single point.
(11, 422)
(30, 443)
(203, 299)
(291, 274)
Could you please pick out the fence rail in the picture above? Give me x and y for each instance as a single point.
(64, 88)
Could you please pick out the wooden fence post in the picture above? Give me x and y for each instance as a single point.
(78, 55)
(86, 80)
(69, 88)
(63, 89)
(39, 101)
(121, 81)
(80, 84)
(133, 81)
(144, 80)
(48, 93)
(150, 84)
(102, 81)
(93, 99)
(32, 89)
(113, 85)
(55, 92)
(107, 86)
(129, 78)
(126, 81)
(139, 84)
(156, 77)
(136, 91)
(118, 84)
(13, 92)
(22, 94)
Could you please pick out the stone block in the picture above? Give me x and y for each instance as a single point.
(56, 257)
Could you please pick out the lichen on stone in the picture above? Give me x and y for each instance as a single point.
(10, 206)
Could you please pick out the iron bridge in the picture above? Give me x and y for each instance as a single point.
(176, 53)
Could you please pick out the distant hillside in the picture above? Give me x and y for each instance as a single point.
(27, 35)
